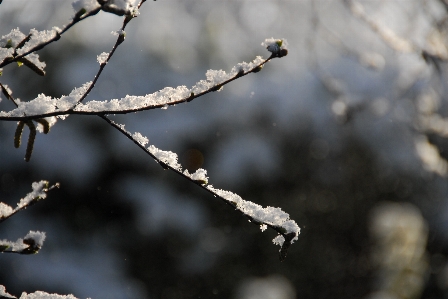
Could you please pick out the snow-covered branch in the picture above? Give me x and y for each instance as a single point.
(30, 244)
(271, 217)
(44, 106)
(34, 240)
(44, 110)
(35, 295)
(21, 48)
(40, 190)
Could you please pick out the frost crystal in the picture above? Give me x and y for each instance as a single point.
(247, 66)
(40, 105)
(44, 295)
(4, 294)
(34, 59)
(37, 237)
(118, 32)
(12, 39)
(167, 157)
(217, 77)
(44, 104)
(235, 199)
(102, 57)
(140, 138)
(160, 99)
(6, 52)
(199, 176)
(279, 240)
(8, 244)
(30, 244)
(37, 193)
(9, 41)
(5, 210)
(269, 215)
(163, 97)
(37, 38)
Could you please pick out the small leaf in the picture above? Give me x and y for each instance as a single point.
(8, 44)
(80, 13)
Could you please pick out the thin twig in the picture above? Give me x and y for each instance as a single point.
(131, 110)
(179, 172)
(30, 203)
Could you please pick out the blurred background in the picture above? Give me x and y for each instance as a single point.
(347, 134)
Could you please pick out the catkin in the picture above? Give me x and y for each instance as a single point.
(31, 138)
(44, 124)
(18, 134)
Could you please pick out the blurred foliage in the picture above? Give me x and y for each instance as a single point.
(342, 146)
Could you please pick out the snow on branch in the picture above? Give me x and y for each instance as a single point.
(45, 106)
(34, 240)
(30, 244)
(15, 45)
(18, 47)
(35, 295)
(40, 190)
(265, 217)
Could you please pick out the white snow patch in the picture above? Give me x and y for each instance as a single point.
(102, 57)
(37, 237)
(140, 138)
(44, 295)
(37, 38)
(5, 210)
(274, 45)
(167, 157)
(269, 215)
(37, 193)
(199, 175)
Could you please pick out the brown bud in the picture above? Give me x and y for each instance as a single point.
(282, 53)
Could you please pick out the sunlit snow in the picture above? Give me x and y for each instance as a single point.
(37, 193)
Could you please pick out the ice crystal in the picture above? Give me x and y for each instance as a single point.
(37, 193)
(269, 215)
(102, 57)
(167, 157)
(5, 210)
(199, 176)
(140, 138)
